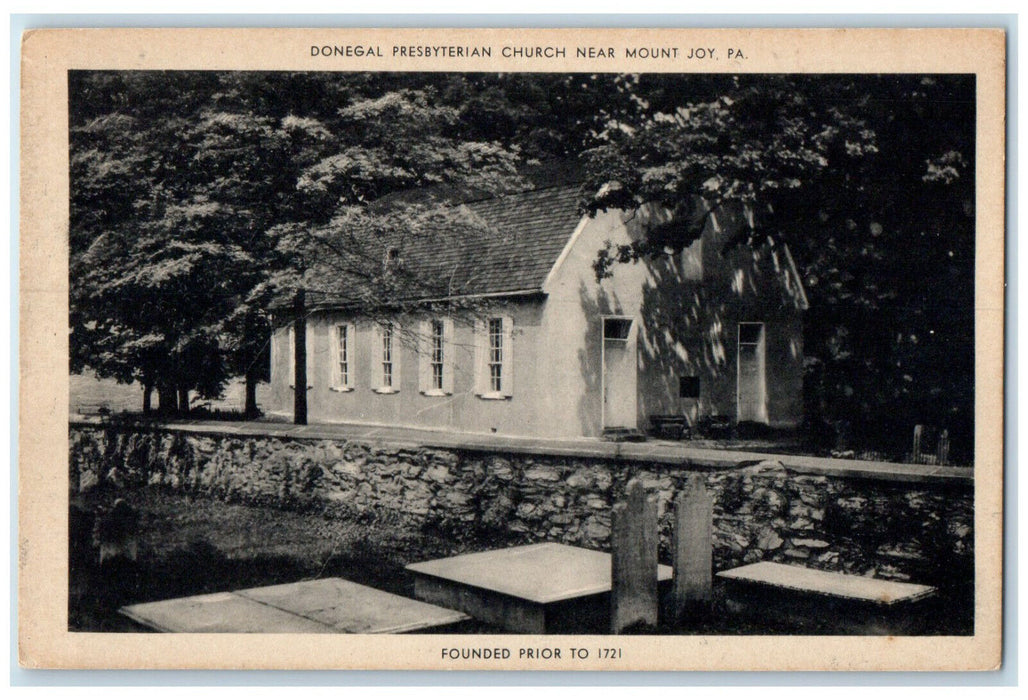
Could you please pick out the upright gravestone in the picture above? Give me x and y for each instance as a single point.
(633, 594)
(942, 449)
(694, 512)
(916, 451)
(117, 532)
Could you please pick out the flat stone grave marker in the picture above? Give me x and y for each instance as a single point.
(848, 604)
(323, 606)
(350, 607)
(534, 588)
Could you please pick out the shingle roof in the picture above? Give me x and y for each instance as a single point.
(527, 232)
(532, 229)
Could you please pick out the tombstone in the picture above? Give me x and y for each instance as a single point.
(634, 540)
(916, 452)
(942, 449)
(694, 513)
(117, 532)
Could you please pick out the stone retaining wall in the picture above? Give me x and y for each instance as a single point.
(761, 512)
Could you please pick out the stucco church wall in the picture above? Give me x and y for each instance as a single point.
(462, 410)
(684, 327)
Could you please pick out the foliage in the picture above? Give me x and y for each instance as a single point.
(869, 180)
(199, 198)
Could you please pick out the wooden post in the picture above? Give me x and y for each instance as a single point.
(633, 594)
(694, 515)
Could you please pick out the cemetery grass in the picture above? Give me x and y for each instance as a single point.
(196, 544)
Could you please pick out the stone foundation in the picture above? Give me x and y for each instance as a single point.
(761, 512)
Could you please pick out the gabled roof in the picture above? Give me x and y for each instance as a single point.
(527, 233)
(532, 229)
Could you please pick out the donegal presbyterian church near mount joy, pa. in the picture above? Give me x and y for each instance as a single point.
(555, 353)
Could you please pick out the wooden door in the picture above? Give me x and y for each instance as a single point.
(619, 373)
(752, 392)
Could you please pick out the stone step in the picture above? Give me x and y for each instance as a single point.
(322, 606)
(809, 597)
(532, 589)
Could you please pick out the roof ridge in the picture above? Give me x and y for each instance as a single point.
(527, 190)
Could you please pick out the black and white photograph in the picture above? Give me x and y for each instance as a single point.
(486, 353)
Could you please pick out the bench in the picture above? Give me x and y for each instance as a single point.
(808, 598)
(716, 427)
(670, 425)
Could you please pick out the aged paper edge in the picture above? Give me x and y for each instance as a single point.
(47, 55)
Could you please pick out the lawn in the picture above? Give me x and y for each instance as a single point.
(189, 545)
(192, 545)
(86, 390)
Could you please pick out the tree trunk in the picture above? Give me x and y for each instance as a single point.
(183, 400)
(147, 393)
(168, 399)
(251, 396)
(299, 360)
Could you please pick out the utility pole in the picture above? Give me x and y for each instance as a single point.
(299, 359)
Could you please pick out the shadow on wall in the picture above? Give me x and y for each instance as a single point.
(590, 359)
(688, 325)
(685, 333)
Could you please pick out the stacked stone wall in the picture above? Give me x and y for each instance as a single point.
(893, 530)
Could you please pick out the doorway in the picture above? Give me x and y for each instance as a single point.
(751, 383)
(619, 373)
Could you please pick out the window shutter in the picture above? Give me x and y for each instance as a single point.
(377, 356)
(508, 356)
(333, 359)
(397, 354)
(311, 364)
(351, 355)
(481, 348)
(448, 351)
(424, 346)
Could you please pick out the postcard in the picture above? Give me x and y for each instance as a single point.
(496, 349)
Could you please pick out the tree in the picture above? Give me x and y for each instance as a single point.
(197, 198)
(868, 179)
(169, 213)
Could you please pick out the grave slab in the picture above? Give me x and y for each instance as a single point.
(219, 612)
(346, 606)
(532, 589)
(801, 579)
(324, 606)
(808, 601)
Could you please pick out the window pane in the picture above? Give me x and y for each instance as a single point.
(437, 355)
(616, 328)
(343, 358)
(495, 354)
(387, 355)
(750, 332)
